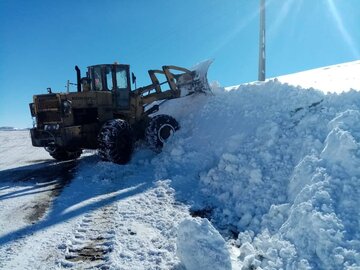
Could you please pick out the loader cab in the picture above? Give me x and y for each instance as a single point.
(114, 78)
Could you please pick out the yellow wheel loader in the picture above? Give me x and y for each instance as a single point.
(106, 114)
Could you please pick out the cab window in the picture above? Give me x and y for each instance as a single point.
(121, 78)
(97, 79)
(109, 80)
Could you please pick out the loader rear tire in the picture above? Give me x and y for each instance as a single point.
(62, 154)
(116, 142)
(160, 129)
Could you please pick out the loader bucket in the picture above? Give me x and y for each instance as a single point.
(182, 82)
(196, 80)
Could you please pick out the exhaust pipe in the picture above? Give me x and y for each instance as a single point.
(78, 78)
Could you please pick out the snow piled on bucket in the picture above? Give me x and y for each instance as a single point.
(278, 166)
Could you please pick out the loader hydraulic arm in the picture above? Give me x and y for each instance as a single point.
(172, 79)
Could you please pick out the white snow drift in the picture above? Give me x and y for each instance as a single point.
(280, 166)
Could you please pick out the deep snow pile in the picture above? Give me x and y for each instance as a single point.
(279, 167)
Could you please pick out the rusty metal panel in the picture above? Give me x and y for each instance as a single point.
(46, 102)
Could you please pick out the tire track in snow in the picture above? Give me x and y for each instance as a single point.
(92, 238)
(146, 229)
(92, 241)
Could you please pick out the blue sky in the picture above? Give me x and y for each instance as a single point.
(42, 41)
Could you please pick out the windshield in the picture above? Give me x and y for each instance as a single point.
(97, 79)
(121, 78)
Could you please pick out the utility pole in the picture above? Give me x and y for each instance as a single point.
(67, 86)
(261, 74)
(68, 83)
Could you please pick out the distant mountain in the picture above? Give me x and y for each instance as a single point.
(12, 129)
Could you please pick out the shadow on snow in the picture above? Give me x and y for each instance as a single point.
(90, 185)
(34, 178)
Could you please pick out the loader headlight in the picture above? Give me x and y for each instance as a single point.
(51, 127)
(66, 106)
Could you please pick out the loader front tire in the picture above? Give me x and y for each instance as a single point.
(159, 130)
(62, 154)
(116, 141)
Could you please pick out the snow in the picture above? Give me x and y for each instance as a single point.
(200, 246)
(108, 216)
(200, 81)
(256, 151)
(334, 79)
(337, 78)
(270, 172)
(15, 150)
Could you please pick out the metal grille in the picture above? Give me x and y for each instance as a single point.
(46, 104)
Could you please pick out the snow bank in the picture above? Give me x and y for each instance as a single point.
(335, 79)
(200, 246)
(320, 222)
(279, 165)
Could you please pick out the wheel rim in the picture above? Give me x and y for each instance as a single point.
(165, 132)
